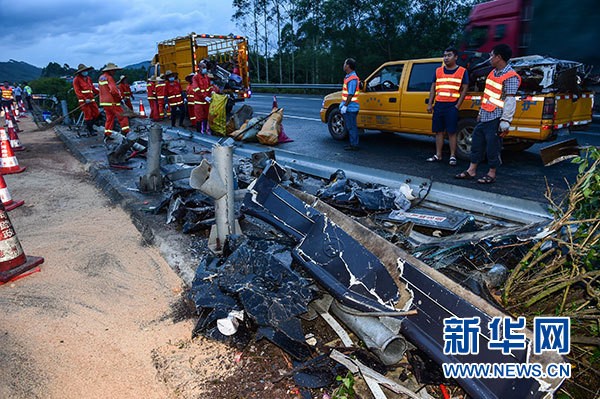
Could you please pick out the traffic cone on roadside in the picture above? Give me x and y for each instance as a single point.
(15, 111)
(7, 200)
(15, 143)
(13, 260)
(142, 110)
(8, 161)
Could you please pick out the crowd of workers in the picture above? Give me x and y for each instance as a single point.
(14, 94)
(165, 96)
(448, 88)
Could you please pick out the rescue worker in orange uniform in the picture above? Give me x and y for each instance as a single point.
(175, 98)
(202, 94)
(85, 92)
(110, 100)
(151, 92)
(449, 86)
(161, 96)
(191, 102)
(125, 90)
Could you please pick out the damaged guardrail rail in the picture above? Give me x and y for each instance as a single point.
(366, 273)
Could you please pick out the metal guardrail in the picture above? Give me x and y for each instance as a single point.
(297, 86)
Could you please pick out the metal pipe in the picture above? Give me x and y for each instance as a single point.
(65, 112)
(152, 181)
(385, 343)
(224, 206)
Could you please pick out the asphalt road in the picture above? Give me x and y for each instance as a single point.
(521, 175)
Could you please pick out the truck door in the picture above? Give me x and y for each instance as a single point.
(380, 99)
(414, 116)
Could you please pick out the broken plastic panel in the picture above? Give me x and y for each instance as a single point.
(353, 275)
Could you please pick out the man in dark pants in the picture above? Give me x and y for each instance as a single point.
(349, 106)
(495, 115)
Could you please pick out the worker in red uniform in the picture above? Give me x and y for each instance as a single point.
(202, 94)
(125, 90)
(191, 100)
(85, 92)
(175, 98)
(110, 100)
(151, 92)
(161, 96)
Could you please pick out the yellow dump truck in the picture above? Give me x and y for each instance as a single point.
(394, 99)
(227, 58)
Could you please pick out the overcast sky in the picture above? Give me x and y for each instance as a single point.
(95, 32)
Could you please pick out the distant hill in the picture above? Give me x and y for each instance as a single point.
(18, 71)
(140, 65)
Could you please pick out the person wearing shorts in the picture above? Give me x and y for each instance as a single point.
(449, 87)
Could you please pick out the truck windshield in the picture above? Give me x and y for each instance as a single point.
(476, 37)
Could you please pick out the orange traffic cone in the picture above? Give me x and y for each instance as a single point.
(13, 260)
(142, 110)
(8, 161)
(15, 143)
(7, 200)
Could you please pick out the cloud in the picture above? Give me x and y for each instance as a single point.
(95, 32)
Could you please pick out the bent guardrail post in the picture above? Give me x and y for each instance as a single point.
(217, 182)
(152, 180)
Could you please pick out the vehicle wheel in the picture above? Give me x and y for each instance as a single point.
(336, 125)
(517, 147)
(464, 138)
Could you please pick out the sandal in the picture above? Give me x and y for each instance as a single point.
(434, 158)
(464, 176)
(487, 179)
(452, 161)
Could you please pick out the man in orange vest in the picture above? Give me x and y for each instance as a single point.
(161, 96)
(449, 86)
(110, 100)
(7, 95)
(125, 90)
(85, 91)
(498, 107)
(349, 106)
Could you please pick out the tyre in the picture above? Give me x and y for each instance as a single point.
(464, 138)
(335, 123)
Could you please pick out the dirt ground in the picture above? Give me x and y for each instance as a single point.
(100, 320)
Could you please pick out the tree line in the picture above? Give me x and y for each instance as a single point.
(307, 41)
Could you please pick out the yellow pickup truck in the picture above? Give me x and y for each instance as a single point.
(394, 99)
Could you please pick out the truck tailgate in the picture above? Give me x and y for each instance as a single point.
(573, 110)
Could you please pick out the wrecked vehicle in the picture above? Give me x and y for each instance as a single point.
(394, 97)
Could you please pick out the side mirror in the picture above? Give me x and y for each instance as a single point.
(361, 85)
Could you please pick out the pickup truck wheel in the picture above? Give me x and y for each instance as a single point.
(464, 138)
(336, 125)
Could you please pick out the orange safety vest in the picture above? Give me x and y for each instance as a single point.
(109, 93)
(151, 90)
(447, 86)
(7, 93)
(345, 88)
(492, 94)
(84, 88)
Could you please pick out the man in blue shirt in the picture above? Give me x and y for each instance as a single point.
(349, 106)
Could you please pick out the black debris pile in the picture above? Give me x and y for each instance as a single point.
(193, 210)
(361, 198)
(254, 278)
